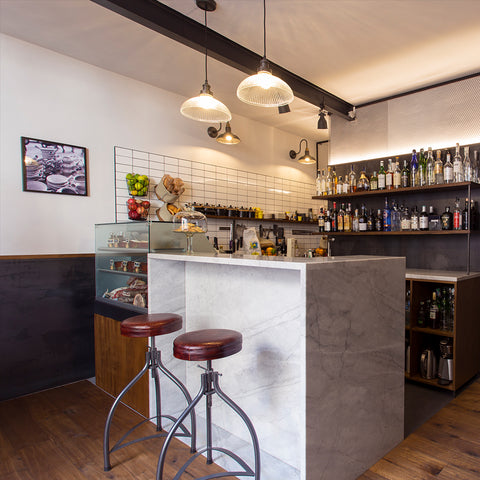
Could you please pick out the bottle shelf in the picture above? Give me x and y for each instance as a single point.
(433, 382)
(433, 331)
(395, 191)
(401, 232)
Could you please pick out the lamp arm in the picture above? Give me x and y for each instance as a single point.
(293, 154)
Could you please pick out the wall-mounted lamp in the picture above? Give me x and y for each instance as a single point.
(307, 159)
(227, 137)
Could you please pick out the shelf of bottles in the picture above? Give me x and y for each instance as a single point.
(422, 174)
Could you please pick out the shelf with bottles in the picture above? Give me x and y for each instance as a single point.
(400, 232)
(421, 170)
(400, 190)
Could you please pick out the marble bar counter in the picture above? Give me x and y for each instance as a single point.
(321, 372)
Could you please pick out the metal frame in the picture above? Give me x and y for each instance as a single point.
(210, 386)
(153, 363)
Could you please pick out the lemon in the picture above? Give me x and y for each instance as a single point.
(133, 192)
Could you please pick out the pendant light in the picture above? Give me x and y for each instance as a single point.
(204, 107)
(306, 159)
(227, 137)
(264, 89)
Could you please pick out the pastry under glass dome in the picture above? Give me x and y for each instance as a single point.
(189, 222)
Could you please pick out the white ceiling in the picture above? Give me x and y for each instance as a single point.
(359, 50)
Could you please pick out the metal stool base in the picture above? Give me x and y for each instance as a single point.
(210, 386)
(154, 364)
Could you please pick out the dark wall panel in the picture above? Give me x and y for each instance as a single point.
(46, 322)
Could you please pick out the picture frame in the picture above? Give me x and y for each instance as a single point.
(53, 167)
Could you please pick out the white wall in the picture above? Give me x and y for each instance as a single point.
(49, 96)
(437, 118)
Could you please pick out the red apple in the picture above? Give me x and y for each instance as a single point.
(146, 204)
(140, 209)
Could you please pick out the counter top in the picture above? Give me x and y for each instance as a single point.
(290, 263)
(438, 275)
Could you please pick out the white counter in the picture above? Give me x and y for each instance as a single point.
(321, 373)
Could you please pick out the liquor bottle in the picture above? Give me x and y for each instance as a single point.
(395, 217)
(473, 216)
(430, 167)
(347, 219)
(422, 169)
(339, 185)
(335, 179)
(439, 169)
(333, 217)
(341, 219)
(346, 185)
(406, 219)
(328, 222)
(447, 219)
(405, 179)
(356, 221)
(382, 176)
(397, 175)
(370, 221)
(379, 221)
(318, 183)
(362, 220)
(467, 165)
(423, 219)
(323, 183)
(434, 222)
(352, 180)
(457, 216)
(434, 312)
(329, 181)
(363, 183)
(414, 170)
(458, 172)
(448, 176)
(387, 217)
(374, 181)
(414, 219)
(389, 175)
(476, 167)
(465, 216)
(321, 220)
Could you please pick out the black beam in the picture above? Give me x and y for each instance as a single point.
(167, 21)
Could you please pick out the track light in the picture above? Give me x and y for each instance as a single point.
(306, 159)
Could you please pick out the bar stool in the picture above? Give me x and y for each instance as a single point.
(142, 326)
(207, 345)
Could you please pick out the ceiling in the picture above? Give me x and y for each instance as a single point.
(358, 50)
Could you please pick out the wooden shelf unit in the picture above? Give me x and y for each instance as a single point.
(466, 325)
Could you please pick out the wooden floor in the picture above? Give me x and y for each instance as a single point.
(446, 447)
(57, 434)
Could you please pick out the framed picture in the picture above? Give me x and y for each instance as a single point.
(51, 167)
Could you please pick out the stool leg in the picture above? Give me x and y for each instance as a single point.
(188, 398)
(158, 401)
(208, 411)
(246, 420)
(171, 433)
(106, 434)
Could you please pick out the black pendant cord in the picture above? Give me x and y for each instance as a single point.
(264, 29)
(206, 48)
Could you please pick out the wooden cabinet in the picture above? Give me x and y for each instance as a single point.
(465, 334)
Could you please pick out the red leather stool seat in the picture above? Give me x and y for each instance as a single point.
(150, 325)
(207, 344)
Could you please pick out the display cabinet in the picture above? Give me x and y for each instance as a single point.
(460, 325)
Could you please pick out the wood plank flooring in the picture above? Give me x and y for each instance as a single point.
(446, 447)
(57, 434)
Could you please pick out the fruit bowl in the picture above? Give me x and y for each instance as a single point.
(138, 209)
(137, 184)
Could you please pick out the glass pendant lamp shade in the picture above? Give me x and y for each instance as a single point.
(264, 89)
(205, 108)
(228, 138)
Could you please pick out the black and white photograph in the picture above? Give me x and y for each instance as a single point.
(51, 167)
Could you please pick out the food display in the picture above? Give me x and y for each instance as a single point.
(135, 292)
(189, 222)
(137, 184)
(138, 209)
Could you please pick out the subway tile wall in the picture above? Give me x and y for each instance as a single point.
(213, 184)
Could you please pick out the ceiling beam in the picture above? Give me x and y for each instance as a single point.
(167, 21)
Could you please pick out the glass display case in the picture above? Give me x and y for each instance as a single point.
(121, 267)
